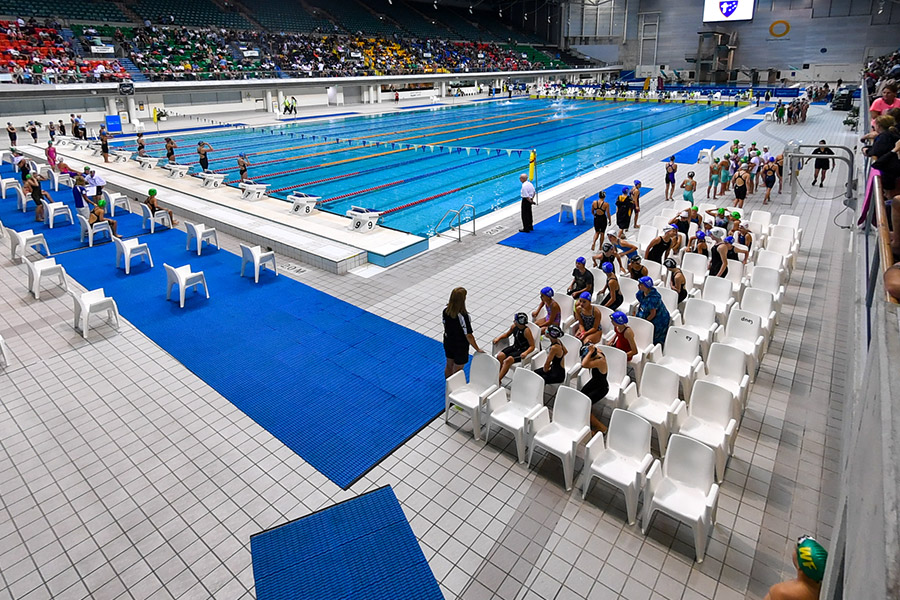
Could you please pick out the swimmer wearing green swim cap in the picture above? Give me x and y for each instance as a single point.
(809, 559)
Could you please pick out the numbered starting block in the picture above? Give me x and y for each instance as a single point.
(122, 156)
(63, 141)
(253, 191)
(147, 162)
(211, 180)
(303, 204)
(81, 144)
(363, 219)
(177, 171)
(96, 148)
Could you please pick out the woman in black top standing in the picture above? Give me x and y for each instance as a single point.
(593, 359)
(600, 210)
(457, 332)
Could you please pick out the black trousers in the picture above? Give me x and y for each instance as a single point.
(527, 218)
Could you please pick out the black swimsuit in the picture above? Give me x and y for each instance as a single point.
(617, 301)
(600, 220)
(682, 294)
(598, 387)
(520, 344)
(555, 374)
(656, 252)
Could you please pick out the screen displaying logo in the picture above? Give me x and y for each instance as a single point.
(727, 10)
(728, 7)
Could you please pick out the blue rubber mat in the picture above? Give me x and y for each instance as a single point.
(551, 234)
(743, 125)
(688, 156)
(339, 386)
(764, 111)
(360, 549)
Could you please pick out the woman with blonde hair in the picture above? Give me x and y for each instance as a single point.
(457, 333)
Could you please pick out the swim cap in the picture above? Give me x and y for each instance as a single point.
(151, 192)
(607, 267)
(721, 211)
(684, 214)
(811, 558)
(745, 160)
(736, 215)
(520, 318)
(637, 182)
(694, 208)
(606, 247)
(673, 226)
(669, 263)
(585, 350)
(624, 190)
(701, 235)
(635, 258)
(727, 156)
(580, 260)
(585, 296)
(87, 169)
(619, 318)
(101, 202)
(243, 155)
(547, 291)
(771, 159)
(758, 153)
(715, 160)
(752, 143)
(554, 332)
(646, 280)
(737, 141)
(27, 175)
(690, 173)
(729, 239)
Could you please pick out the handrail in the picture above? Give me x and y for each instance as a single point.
(457, 216)
(885, 253)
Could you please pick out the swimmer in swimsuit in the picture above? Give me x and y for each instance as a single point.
(769, 174)
(725, 173)
(671, 169)
(689, 185)
(713, 178)
(600, 210)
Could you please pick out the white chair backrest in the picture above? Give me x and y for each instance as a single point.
(717, 289)
(191, 229)
(690, 463)
(696, 263)
(669, 298)
(83, 222)
(572, 409)
(536, 335)
(759, 302)
(735, 271)
(566, 306)
(772, 260)
(629, 434)
(688, 279)
(616, 364)
(757, 229)
(579, 205)
(527, 389)
(484, 372)
(659, 221)
(145, 211)
(118, 242)
(247, 253)
(792, 221)
(92, 296)
(727, 362)
(761, 217)
(573, 347)
(646, 234)
(629, 288)
(780, 246)
(692, 229)
(764, 278)
(783, 232)
(711, 403)
(171, 273)
(599, 279)
(643, 332)
(659, 383)
(682, 344)
(743, 325)
(654, 269)
(606, 324)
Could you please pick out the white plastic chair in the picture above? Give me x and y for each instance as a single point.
(183, 277)
(720, 293)
(616, 376)
(623, 461)
(24, 240)
(113, 200)
(655, 270)
(785, 232)
(643, 338)
(39, 269)
(629, 289)
(566, 310)
(509, 410)
(199, 234)
(562, 434)
(506, 342)
(681, 354)
(683, 486)
(646, 234)
(736, 276)
(761, 217)
(744, 331)
(783, 247)
(762, 304)
(91, 231)
(709, 419)
(760, 235)
(471, 396)
(792, 221)
(657, 401)
(727, 368)
(697, 265)
(670, 300)
(660, 221)
(93, 302)
(55, 209)
(128, 249)
(22, 199)
(4, 353)
(772, 260)
(571, 361)
(573, 206)
(160, 217)
(8, 183)
(768, 280)
(258, 259)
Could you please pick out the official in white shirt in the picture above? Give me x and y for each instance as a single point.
(527, 195)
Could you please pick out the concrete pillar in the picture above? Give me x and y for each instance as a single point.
(132, 109)
(280, 99)
(268, 100)
(443, 89)
(111, 105)
(378, 93)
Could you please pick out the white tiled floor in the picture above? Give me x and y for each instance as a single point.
(124, 475)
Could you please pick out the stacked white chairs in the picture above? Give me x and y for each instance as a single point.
(762, 304)
(657, 400)
(24, 240)
(38, 270)
(697, 265)
(199, 233)
(160, 217)
(670, 300)
(471, 396)
(681, 354)
(507, 341)
(571, 361)
(787, 233)
(683, 486)
(772, 260)
(508, 410)
(709, 419)
(616, 376)
(792, 221)
(561, 434)
(91, 231)
(727, 368)
(131, 248)
(623, 460)
(184, 278)
(55, 209)
(720, 292)
(257, 258)
(769, 280)
(629, 289)
(91, 303)
(744, 331)
(785, 248)
(573, 206)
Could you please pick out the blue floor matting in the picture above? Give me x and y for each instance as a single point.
(360, 549)
(551, 234)
(743, 125)
(764, 111)
(688, 156)
(339, 386)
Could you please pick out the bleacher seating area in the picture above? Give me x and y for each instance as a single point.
(196, 13)
(354, 17)
(82, 10)
(272, 15)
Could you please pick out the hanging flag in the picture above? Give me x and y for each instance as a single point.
(519, 152)
(468, 150)
(499, 152)
(509, 153)
(440, 148)
(477, 151)
(532, 161)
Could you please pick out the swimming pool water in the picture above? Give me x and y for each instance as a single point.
(417, 165)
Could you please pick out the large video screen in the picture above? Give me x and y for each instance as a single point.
(727, 10)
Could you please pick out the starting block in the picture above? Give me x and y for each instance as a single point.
(363, 219)
(115, 199)
(253, 191)
(147, 162)
(97, 148)
(81, 144)
(211, 180)
(63, 141)
(176, 171)
(122, 156)
(303, 204)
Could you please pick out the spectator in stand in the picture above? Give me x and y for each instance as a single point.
(887, 101)
(886, 135)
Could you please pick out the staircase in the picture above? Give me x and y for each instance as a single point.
(69, 36)
(132, 70)
(132, 16)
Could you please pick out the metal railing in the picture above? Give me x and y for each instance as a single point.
(457, 217)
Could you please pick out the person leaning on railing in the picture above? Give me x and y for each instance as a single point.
(889, 167)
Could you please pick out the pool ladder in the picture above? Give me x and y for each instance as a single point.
(456, 218)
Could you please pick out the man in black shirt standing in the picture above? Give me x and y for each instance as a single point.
(822, 164)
